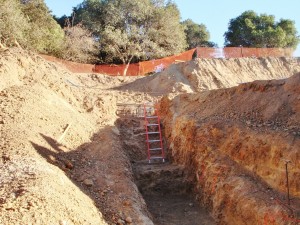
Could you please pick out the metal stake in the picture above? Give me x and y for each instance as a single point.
(287, 180)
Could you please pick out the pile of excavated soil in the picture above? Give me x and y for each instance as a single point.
(207, 74)
(235, 143)
(50, 178)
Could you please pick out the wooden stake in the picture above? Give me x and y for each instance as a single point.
(64, 134)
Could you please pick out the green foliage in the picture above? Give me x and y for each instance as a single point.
(133, 29)
(252, 30)
(45, 35)
(197, 35)
(29, 23)
(165, 30)
(14, 25)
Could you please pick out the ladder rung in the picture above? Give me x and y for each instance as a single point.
(152, 124)
(155, 149)
(157, 157)
(151, 117)
(153, 132)
(150, 141)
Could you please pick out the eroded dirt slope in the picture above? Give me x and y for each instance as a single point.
(234, 143)
(48, 178)
(207, 74)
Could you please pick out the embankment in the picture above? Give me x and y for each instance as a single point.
(207, 74)
(234, 143)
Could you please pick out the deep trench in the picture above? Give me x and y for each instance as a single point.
(165, 187)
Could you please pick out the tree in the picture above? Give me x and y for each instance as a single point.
(14, 25)
(197, 35)
(252, 30)
(29, 24)
(133, 29)
(44, 35)
(79, 45)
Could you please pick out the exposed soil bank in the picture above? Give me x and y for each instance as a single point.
(233, 142)
(207, 74)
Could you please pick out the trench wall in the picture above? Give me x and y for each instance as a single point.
(235, 161)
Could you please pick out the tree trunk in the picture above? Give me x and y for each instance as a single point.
(126, 68)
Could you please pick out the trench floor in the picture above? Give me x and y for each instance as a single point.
(168, 195)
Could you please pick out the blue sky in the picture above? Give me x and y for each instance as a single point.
(215, 14)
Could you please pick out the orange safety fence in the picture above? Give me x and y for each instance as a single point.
(146, 67)
(72, 66)
(238, 52)
(116, 70)
(160, 64)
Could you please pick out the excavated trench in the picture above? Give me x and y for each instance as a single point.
(165, 187)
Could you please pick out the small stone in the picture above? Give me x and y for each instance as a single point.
(126, 203)
(5, 158)
(120, 222)
(88, 182)
(52, 158)
(116, 131)
(62, 222)
(128, 219)
(69, 165)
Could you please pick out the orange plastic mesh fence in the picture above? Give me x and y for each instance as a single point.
(146, 67)
(160, 64)
(116, 70)
(72, 66)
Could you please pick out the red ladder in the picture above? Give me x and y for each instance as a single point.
(154, 142)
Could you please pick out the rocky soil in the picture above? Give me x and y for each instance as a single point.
(64, 159)
(235, 143)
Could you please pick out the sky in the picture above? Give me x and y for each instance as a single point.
(214, 14)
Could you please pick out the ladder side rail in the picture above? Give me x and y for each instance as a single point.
(147, 135)
(156, 111)
(160, 137)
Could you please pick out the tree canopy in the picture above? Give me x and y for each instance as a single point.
(197, 35)
(253, 30)
(133, 29)
(28, 23)
(45, 35)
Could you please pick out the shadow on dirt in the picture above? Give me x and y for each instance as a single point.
(101, 169)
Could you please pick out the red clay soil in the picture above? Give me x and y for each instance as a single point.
(234, 143)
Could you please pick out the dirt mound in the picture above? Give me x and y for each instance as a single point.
(235, 143)
(208, 74)
(48, 176)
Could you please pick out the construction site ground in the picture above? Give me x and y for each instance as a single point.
(68, 156)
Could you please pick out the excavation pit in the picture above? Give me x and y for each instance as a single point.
(165, 187)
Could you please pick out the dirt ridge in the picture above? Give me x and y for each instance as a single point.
(233, 142)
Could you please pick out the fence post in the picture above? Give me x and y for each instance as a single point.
(241, 51)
